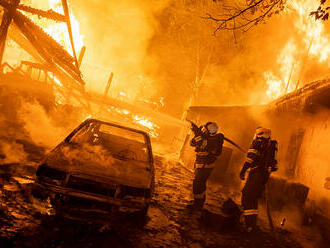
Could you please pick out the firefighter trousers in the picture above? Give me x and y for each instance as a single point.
(251, 193)
(199, 185)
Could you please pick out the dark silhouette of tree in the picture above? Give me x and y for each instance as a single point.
(322, 13)
(244, 15)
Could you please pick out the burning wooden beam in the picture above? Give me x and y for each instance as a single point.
(81, 55)
(50, 14)
(6, 20)
(108, 85)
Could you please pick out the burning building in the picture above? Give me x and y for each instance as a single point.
(300, 122)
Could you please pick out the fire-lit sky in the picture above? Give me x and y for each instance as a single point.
(152, 48)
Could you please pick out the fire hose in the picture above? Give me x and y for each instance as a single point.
(194, 128)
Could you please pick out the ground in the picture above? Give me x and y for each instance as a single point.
(27, 222)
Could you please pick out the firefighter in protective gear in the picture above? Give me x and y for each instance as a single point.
(260, 161)
(208, 146)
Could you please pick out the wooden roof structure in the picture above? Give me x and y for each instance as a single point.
(37, 43)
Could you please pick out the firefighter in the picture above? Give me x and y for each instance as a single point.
(260, 161)
(208, 146)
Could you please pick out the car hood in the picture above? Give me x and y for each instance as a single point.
(95, 161)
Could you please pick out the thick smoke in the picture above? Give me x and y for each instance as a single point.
(40, 126)
(163, 49)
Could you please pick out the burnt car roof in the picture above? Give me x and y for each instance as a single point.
(90, 120)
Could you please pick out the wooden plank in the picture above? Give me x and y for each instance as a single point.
(6, 20)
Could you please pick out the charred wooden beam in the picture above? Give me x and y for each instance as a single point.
(81, 55)
(108, 85)
(47, 47)
(68, 23)
(50, 14)
(6, 20)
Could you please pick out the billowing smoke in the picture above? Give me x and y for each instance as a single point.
(167, 50)
(164, 53)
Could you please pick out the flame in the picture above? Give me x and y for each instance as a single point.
(87, 117)
(312, 30)
(59, 31)
(55, 79)
(316, 45)
(141, 120)
(278, 86)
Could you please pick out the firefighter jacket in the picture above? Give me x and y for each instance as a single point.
(261, 155)
(207, 147)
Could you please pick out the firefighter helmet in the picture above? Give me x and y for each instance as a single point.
(212, 127)
(262, 132)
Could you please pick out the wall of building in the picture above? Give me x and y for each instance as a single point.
(313, 164)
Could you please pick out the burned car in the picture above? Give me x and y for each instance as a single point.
(100, 169)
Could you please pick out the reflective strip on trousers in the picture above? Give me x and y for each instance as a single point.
(249, 160)
(202, 153)
(207, 166)
(253, 151)
(250, 212)
(200, 196)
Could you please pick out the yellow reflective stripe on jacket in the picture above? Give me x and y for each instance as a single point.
(249, 160)
(198, 138)
(253, 151)
(250, 212)
(204, 144)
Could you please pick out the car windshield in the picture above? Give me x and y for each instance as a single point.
(121, 143)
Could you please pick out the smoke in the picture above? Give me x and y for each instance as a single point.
(116, 37)
(165, 50)
(88, 154)
(31, 124)
(39, 125)
(12, 152)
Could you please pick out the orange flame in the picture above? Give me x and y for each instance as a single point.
(140, 120)
(289, 60)
(59, 31)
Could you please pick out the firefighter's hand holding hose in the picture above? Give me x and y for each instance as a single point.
(243, 172)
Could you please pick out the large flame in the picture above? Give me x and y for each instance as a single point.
(290, 60)
(278, 86)
(59, 31)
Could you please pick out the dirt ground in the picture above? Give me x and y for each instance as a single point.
(28, 222)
